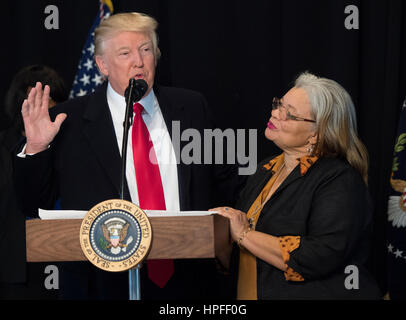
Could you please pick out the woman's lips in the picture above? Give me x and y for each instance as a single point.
(271, 125)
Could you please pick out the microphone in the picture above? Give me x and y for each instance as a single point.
(134, 92)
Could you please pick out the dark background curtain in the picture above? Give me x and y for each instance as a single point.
(240, 54)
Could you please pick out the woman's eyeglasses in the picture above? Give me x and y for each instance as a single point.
(284, 113)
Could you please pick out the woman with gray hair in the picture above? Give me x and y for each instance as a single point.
(303, 221)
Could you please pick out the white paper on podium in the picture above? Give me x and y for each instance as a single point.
(77, 214)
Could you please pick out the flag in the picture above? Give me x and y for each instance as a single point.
(397, 216)
(88, 77)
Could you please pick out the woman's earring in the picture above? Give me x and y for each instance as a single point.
(310, 149)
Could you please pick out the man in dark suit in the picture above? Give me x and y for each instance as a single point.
(74, 153)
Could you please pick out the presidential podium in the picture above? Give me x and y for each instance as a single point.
(177, 237)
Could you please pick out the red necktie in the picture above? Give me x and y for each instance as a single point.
(149, 186)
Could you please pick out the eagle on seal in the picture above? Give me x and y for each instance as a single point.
(115, 234)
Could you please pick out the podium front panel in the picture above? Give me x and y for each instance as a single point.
(177, 237)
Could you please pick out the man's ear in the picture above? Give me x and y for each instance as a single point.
(102, 65)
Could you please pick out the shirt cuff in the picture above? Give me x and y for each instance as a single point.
(23, 155)
(287, 245)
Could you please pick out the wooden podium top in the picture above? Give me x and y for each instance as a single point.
(173, 238)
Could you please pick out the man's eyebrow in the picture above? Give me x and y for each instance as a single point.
(128, 48)
(123, 48)
(145, 43)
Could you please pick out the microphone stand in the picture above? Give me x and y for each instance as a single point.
(133, 94)
(127, 123)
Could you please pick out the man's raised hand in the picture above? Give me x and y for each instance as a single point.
(39, 129)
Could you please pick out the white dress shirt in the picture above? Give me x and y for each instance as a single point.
(161, 140)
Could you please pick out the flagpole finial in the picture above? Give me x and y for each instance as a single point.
(108, 3)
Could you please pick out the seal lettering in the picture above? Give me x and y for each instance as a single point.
(115, 235)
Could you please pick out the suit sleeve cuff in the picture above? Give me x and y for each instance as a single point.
(287, 245)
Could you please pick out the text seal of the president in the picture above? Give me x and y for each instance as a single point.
(115, 235)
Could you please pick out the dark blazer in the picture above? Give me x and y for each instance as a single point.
(82, 167)
(12, 222)
(330, 209)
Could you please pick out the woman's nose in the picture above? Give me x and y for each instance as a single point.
(275, 113)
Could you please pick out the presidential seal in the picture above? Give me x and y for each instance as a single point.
(115, 235)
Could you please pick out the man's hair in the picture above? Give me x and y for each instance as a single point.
(336, 123)
(120, 22)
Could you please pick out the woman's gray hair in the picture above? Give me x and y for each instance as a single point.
(336, 122)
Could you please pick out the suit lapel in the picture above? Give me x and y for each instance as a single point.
(260, 184)
(293, 176)
(175, 112)
(99, 130)
(245, 203)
